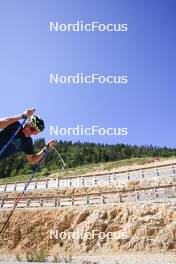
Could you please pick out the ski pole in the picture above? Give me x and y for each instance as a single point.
(25, 188)
(12, 137)
(63, 163)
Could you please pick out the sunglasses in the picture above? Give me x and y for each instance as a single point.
(33, 129)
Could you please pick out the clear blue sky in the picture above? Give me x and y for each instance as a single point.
(147, 53)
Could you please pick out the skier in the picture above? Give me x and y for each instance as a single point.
(23, 141)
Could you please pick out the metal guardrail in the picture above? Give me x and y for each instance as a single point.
(93, 180)
(155, 193)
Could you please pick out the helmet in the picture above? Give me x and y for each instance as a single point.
(37, 123)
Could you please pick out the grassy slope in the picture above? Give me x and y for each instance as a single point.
(82, 169)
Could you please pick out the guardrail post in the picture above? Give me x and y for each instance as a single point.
(73, 200)
(82, 182)
(137, 195)
(95, 181)
(87, 200)
(5, 188)
(103, 199)
(157, 172)
(128, 176)
(28, 202)
(58, 201)
(115, 178)
(41, 202)
(46, 184)
(120, 198)
(155, 192)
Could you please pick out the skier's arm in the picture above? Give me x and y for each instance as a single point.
(4, 122)
(35, 158)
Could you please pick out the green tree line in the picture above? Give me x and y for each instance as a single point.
(76, 154)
